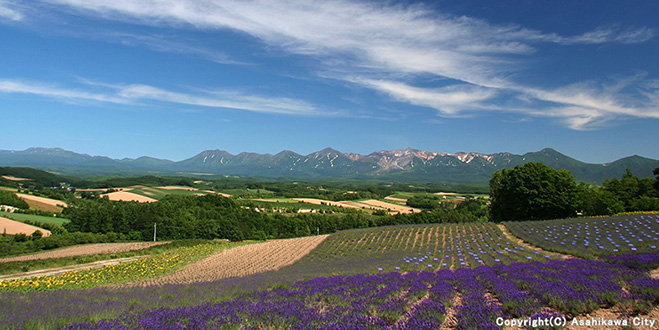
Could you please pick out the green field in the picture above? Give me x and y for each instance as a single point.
(34, 218)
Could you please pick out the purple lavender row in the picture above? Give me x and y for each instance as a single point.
(641, 261)
(514, 302)
(302, 307)
(555, 294)
(573, 286)
(476, 311)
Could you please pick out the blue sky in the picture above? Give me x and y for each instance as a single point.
(170, 78)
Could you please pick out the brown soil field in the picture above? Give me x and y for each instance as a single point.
(394, 199)
(12, 227)
(359, 205)
(86, 249)
(445, 194)
(129, 197)
(392, 207)
(13, 178)
(43, 203)
(241, 261)
(326, 202)
(177, 188)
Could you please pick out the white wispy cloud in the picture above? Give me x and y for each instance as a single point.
(387, 44)
(136, 94)
(450, 101)
(9, 13)
(219, 99)
(53, 91)
(168, 44)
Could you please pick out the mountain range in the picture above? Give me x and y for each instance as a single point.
(396, 165)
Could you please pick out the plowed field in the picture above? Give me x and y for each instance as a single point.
(243, 260)
(11, 227)
(87, 249)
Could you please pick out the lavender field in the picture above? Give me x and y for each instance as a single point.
(464, 299)
(454, 276)
(592, 237)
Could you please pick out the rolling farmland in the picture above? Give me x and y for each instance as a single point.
(43, 203)
(11, 227)
(448, 276)
(242, 261)
(34, 218)
(420, 247)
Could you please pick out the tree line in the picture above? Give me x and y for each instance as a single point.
(535, 191)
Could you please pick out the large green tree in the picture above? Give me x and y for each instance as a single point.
(532, 191)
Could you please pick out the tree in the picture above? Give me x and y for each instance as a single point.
(532, 191)
(636, 194)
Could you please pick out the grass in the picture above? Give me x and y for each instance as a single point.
(34, 218)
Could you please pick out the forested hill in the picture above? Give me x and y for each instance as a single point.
(406, 165)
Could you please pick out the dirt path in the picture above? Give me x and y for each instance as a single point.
(66, 269)
(525, 245)
(451, 322)
(241, 261)
(654, 273)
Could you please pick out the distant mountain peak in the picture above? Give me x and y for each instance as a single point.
(407, 164)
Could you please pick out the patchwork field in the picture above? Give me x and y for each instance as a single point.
(242, 261)
(129, 197)
(439, 276)
(145, 194)
(11, 227)
(370, 204)
(43, 203)
(34, 218)
(12, 178)
(391, 207)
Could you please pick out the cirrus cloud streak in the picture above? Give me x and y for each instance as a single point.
(390, 46)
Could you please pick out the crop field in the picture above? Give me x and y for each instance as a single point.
(129, 197)
(11, 227)
(34, 218)
(86, 249)
(241, 261)
(420, 247)
(43, 203)
(592, 237)
(137, 270)
(392, 207)
(144, 194)
(435, 276)
(462, 299)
